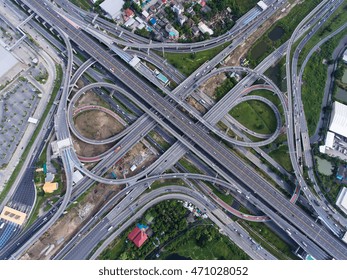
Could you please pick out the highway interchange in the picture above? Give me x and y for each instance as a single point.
(192, 133)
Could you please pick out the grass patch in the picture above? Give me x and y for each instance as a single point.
(281, 155)
(187, 63)
(255, 115)
(16, 171)
(227, 198)
(224, 88)
(160, 140)
(163, 183)
(269, 240)
(84, 4)
(191, 168)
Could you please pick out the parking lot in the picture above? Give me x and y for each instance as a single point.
(17, 103)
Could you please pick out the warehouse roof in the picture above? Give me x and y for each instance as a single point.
(112, 7)
(7, 61)
(338, 123)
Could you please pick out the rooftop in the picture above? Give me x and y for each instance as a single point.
(341, 201)
(338, 123)
(112, 7)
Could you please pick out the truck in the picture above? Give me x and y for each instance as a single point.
(2, 225)
(111, 227)
(114, 175)
(117, 149)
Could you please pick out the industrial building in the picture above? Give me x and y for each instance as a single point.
(336, 138)
(113, 8)
(341, 201)
(7, 62)
(204, 28)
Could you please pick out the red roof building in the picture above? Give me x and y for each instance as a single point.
(137, 236)
(129, 13)
(133, 233)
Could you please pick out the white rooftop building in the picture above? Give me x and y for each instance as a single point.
(262, 5)
(33, 120)
(338, 123)
(77, 176)
(112, 7)
(7, 61)
(344, 58)
(341, 201)
(135, 61)
(204, 28)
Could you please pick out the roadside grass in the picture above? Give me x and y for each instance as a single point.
(268, 239)
(189, 166)
(338, 18)
(84, 4)
(187, 63)
(281, 155)
(227, 198)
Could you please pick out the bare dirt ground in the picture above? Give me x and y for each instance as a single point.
(97, 125)
(88, 150)
(89, 98)
(192, 101)
(68, 225)
(210, 86)
(139, 155)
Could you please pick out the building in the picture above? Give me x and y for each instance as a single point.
(204, 28)
(129, 22)
(163, 79)
(49, 177)
(344, 57)
(77, 176)
(336, 139)
(341, 174)
(50, 187)
(153, 21)
(112, 8)
(32, 120)
(178, 9)
(195, 30)
(341, 201)
(262, 5)
(129, 13)
(137, 236)
(338, 122)
(13, 215)
(173, 33)
(181, 19)
(133, 168)
(145, 14)
(7, 63)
